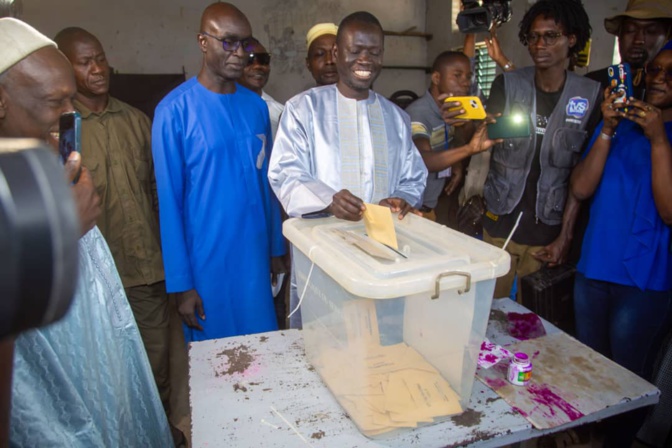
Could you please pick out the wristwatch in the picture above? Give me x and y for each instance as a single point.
(508, 66)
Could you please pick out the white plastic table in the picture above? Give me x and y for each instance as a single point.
(259, 390)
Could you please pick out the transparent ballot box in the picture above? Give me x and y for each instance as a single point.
(394, 335)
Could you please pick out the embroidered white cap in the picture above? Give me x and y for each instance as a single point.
(18, 40)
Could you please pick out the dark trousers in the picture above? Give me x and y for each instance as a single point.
(150, 308)
(627, 325)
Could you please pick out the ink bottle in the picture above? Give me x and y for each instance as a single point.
(520, 369)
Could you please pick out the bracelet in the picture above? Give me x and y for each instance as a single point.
(604, 136)
(508, 66)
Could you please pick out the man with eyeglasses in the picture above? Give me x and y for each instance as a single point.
(642, 30)
(220, 224)
(529, 176)
(255, 76)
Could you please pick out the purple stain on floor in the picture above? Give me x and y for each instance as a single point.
(524, 326)
(543, 395)
(495, 383)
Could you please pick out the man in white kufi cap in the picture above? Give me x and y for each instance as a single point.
(84, 381)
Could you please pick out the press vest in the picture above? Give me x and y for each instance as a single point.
(560, 149)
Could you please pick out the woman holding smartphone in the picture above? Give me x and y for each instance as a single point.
(623, 289)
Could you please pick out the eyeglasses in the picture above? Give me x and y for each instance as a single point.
(234, 44)
(654, 71)
(550, 38)
(259, 59)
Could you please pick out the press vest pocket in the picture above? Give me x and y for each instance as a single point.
(511, 153)
(554, 205)
(566, 148)
(496, 191)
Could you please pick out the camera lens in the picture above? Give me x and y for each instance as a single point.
(38, 237)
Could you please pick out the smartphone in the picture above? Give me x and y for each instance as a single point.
(473, 108)
(70, 134)
(620, 80)
(510, 126)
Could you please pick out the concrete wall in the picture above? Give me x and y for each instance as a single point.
(153, 36)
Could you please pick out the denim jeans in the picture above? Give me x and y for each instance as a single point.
(628, 326)
(622, 322)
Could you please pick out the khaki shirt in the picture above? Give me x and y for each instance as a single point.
(116, 148)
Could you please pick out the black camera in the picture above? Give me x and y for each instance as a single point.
(39, 233)
(480, 16)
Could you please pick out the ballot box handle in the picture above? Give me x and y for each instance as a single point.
(437, 286)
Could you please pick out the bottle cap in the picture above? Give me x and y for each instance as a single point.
(521, 358)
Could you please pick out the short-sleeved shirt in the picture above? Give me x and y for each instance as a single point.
(116, 148)
(626, 241)
(426, 122)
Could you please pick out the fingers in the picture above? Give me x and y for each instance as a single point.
(347, 206)
(451, 110)
(405, 209)
(199, 308)
(87, 201)
(393, 204)
(73, 166)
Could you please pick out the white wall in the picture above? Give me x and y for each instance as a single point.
(153, 36)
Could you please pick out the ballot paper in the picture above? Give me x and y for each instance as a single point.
(383, 388)
(380, 225)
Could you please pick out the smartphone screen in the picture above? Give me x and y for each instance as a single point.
(620, 80)
(510, 126)
(70, 134)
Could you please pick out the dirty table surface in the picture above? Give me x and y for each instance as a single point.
(259, 390)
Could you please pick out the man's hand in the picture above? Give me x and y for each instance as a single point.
(495, 50)
(555, 253)
(189, 303)
(450, 110)
(347, 206)
(86, 198)
(457, 175)
(480, 141)
(277, 267)
(399, 205)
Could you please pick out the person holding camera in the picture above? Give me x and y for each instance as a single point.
(528, 177)
(83, 381)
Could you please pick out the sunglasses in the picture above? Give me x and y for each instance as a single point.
(228, 44)
(654, 71)
(258, 59)
(549, 37)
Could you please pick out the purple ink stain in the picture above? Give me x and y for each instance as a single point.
(544, 396)
(535, 354)
(495, 383)
(520, 411)
(490, 358)
(524, 326)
